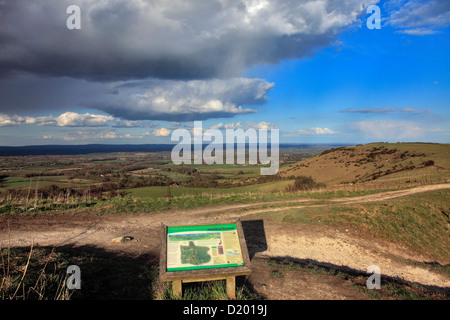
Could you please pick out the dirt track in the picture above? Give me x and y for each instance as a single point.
(321, 245)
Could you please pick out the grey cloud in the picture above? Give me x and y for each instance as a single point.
(31, 94)
(185, 100)
(131, 39)
(133, 124)
(150, 99)
(388, 129)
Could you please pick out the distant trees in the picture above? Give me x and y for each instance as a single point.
(198, 180)
(182, 170)
(128, 182)
(54, 192)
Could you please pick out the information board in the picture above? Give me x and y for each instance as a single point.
(197, 247)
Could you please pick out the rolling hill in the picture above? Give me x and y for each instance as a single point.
(380, 162)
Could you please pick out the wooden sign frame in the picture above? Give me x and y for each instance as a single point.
(223, 273)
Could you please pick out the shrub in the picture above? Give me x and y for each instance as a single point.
(428, 163)
(303, 183)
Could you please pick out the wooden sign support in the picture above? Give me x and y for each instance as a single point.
(208, 274)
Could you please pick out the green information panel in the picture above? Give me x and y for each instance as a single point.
(203, 247)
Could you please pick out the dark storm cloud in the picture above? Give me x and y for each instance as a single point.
(134, 100)
(32, 94)
(125, 39)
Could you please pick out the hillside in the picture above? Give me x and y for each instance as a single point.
(380, 162)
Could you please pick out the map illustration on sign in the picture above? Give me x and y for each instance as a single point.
(195, 255)
(203, 247)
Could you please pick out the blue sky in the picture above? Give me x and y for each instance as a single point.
(312, 69)
(388, 76)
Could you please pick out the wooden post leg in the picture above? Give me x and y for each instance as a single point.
(177, 289)
(231, 287)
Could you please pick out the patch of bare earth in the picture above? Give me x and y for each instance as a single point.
(295, 285)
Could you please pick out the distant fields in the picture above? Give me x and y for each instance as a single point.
(20, 182)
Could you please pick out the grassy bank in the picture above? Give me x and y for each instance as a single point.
(420, 221)
(158, 199)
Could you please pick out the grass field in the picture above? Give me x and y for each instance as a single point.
(156, 192)
(20, 182)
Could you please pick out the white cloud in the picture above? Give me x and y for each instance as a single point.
(315, 131)
(108, 135)
(73, 119)
(185, 100)
(217, 126)
(67, 119)
(132, 124)
(418, 17)
(387, 110)
(262, 125)
(15, 120)
(163, 132)
(95, 135)
(418, 32)
(7, 121)
(388, 129)
(237, 125)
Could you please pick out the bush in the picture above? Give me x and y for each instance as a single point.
(303, 183)
(428, 163)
